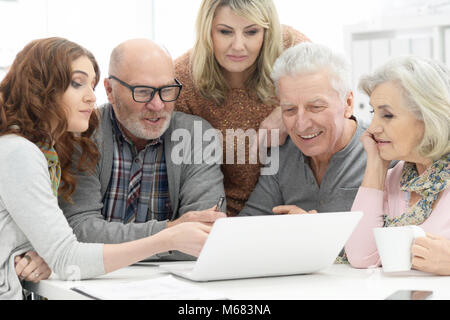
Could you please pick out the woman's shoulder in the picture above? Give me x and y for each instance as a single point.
(182, 64)
(190, 100)
(14, 141)
(183, 71)
(292, 37)
(445, 199)
(20, 149)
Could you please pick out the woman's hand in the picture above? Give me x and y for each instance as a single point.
(272, 125)
(273, 122)
(376, 167)
(188, 237)
(431, 254)
(371, 147)
(31, 267)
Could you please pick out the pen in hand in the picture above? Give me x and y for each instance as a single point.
(219, 203)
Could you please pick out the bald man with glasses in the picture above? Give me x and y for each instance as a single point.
(138, 189)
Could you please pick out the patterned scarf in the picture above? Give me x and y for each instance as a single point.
(428, 185)
(432, 182)
(54, 167)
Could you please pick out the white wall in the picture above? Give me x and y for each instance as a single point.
(321, 20)
(406, 27)
(98, 25)
(174, 22)
(414, 7)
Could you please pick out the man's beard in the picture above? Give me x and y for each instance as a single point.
(134, 126)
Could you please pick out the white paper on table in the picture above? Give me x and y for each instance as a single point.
(163, 288)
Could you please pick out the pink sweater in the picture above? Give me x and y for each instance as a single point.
(361, 248)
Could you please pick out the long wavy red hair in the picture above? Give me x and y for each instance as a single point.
(29, 107)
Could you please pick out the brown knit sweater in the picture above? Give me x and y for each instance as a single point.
(241, 110)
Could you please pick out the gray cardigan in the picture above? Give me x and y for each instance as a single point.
(191, 186)
(30, 219)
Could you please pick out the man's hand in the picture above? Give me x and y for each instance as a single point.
(291, 210)
(431, 254)
(31, 267)
(207, 217)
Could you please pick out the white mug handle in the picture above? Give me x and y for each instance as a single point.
(417, 232)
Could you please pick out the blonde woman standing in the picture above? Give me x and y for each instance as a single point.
(226, 80)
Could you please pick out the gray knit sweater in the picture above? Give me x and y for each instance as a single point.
(31, 219)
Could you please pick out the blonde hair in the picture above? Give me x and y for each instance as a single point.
(206, 71)
(425, 85)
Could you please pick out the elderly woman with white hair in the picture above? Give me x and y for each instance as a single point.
(410, 97)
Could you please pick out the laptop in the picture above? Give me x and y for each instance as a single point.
(264, 246)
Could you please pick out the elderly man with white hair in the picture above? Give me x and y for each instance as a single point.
(323, 162)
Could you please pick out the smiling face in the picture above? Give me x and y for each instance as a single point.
(314, 114)
(79, 98)
(237, 42)
(144, 64)
(397, 131)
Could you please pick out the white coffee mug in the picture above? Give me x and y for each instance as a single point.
(394, 246)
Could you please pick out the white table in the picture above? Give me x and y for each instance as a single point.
(337, 282)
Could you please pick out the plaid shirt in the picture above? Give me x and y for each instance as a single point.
(154, 201)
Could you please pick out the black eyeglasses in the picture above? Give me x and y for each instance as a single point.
(144, 94)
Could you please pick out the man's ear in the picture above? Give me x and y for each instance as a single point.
(108, 87)
(349, 100)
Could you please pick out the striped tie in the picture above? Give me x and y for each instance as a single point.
(134, 190)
